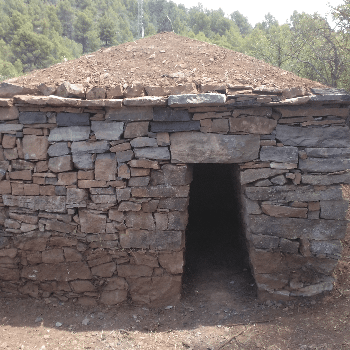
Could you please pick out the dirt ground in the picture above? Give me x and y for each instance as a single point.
(165, 59)
(219, 310)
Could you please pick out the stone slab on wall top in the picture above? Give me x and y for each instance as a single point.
(196, 147)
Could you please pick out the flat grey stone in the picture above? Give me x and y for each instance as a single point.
(157, 153)
(284, 154)
(4, 166)
(124, 156)
(4, 128)
(71, 133)
(334, 136)
(73, 119)
(251, 207)
(55, 204)
(144, 142)
(58, 149)
(130, 114)
(107, 131)
(32, 117)
(139, 181)
(161, 240)
(251, 175)
(196, 100)
(328, 152)
(294, 228)
(279, 180)
(336, 210)
(90, 147)
(321, 165)
(329, 248)
(83, 161)
(179, 204)
(326, 179)
(288, 246)
(170, 115)
(265, 242)
(196, 147)
(175, 126)
(291, 193)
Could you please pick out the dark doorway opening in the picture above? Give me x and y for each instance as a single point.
(216, 253)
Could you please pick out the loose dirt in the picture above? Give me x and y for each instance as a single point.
(165, 59)
(219, 310)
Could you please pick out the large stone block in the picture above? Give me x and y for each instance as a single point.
(5, 187)
(142, 239)
(195, 100)
(173, 262)
(4, 128)
(326, 179)
(107, 131)
(9, 113)
(328, 152)
(160, 191)
(157, 153)
(251, 175)
(92, 223)
(73, 119)
(194, 147)
(136, 130)
(76, 198)
(89, 147)
(175, 126)
(280, 211)
(35, 147)
(84, 161)
(140, 220)
(155, 291)
(334, 136)
(32, 117)
(9, 274)
(134, 271)
(265, 242)
(130, 114)
(320, 165)
(329, 248)
(253, 125)
(314, 111)
(106, 167)
(177, 220)
(293, 228)
(113, 297)
(58, 149)
(291, 193)
(336, 210)
(62, 272)
(70, 133)
(140, 142)
(161, 114)
(177, 175)
(285, 154)
(56, 204)
(61, 164)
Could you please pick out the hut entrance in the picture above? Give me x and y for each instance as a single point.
(215, 239)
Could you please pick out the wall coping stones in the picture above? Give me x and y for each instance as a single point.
(196, 100)
(6, 102)
(146, 101)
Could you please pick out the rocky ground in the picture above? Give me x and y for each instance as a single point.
(219, 310)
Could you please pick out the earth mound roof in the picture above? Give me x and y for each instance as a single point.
(165, 59)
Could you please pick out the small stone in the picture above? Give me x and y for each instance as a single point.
(59, 324)
(85, 322)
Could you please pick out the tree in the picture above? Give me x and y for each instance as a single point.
(65, 14)
(84, 31)
(242, 23)
(107, 30)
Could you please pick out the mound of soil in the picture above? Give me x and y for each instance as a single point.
(165, 59)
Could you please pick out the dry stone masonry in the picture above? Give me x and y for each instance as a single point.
(95, 190)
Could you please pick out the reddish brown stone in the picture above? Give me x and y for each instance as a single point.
(86, 301)
(52, 256)
(129, 270)
(144, 163)
(252, 125)
(71, 254)
(11, 154)
(105, 168)
(137, 129)
(121, 147)
(5, 187)
(92, 223)
(314, 206)
(9, 113)
(31, 189)
(17, 188)
(82, 286)
(9, 274)
(47, 190)
(36, 244)
(61, 164)
(91, 183)
(67, 179)
(140, 220)
(35, 147)
(86, 175)
(62, 272)
(115, 92)
(113, 297)
(42, 166)
(21, 175)
(116, 215)
(173, 262)
(104, 270)
(9, 141)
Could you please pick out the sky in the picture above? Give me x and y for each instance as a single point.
(255, 10)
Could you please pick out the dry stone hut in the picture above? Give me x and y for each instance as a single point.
(96, 167)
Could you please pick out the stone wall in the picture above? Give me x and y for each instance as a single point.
(94, 194)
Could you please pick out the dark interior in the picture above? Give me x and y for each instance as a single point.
(215, 233)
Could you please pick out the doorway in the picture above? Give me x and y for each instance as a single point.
(216, 256)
